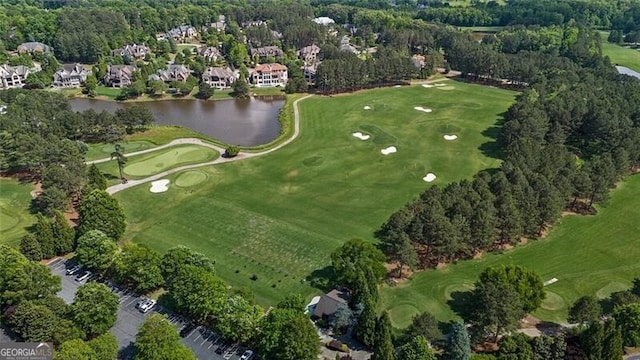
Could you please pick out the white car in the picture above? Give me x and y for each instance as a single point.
(145, 304)
(247, 355)
(83, 277)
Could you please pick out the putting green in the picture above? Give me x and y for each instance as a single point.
(169, 158)
(190, 178)
(403, 313)
(610, 288)
(449, 129)
(552, 301)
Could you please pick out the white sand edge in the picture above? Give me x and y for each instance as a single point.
(427, 86)
(450, 137)
(420, 108)
(549, 282)
(388, 150)
(159, 186)
(429, 177)
(367, 107)
(361, 136)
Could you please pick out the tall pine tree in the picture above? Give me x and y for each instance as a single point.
(383, 343)
(459, 343)
(63, 234)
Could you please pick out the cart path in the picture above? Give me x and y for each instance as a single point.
(241, 156)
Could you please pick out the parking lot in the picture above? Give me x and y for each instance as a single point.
(203, 342)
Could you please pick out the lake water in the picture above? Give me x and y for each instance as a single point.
(245, 122)
(627, 71)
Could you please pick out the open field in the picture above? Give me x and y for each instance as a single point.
(281, 215)
(15, 217)
(141, 166)
(155, 136)
(620, 55)
(590, 255)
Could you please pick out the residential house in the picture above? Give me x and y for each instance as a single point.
(323, 20)
(330, 303)
(71, 75)
(247, 24)
(211, 53)
(309, 72)
(34, 46)
(266, 51)
(345, 45)
(267, 75)
(309, 54)
(119, 75)
(172, 73)
(133, 51)
(418, 61)
(276, 34)
(181, 33)
(220, 25)
(13, 76)
(219, 78)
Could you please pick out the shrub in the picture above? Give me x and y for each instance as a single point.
(232, 151)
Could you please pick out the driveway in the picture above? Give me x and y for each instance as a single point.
(203, 342)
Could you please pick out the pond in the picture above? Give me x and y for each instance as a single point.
(245, 122)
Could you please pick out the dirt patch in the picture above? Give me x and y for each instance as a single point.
(37, 190)
(73, 217)
(392, 273)
(530, 322)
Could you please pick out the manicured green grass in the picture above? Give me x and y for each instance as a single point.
(621, 56)
(590, 255)
(155, 136)
(281, 215)
(15, 217)
(109, 92)
(155, 162)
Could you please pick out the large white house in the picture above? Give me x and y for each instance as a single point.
(268, 75)
(13, 76)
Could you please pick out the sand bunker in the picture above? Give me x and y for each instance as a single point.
(420, 108)
(549, 282)
(439, 85)
(367, 107)
(450, 137)
(389, 150)
(429, 177)
(427, 86)
(398, 86)
(159, 186)
(361, 136)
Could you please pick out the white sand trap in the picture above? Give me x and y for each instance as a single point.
(429, 177)
(420, 108)
(398, 86)
(389, 150)
(549, 282)
(427, 86)
(361, 136)
(367, 107)
(450, 137)
(439, 85)
(159, 186)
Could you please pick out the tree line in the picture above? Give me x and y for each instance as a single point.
(40, 135)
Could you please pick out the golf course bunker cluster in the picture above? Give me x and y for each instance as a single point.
(159, 186)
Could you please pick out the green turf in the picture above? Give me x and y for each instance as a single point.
(191, 178)
(154, 136)
(140, 166)
(594, 255)
(281, 215)
(15, 217)
(622, 56)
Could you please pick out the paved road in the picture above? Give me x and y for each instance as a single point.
(243, 155)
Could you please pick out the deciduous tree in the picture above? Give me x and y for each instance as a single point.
(34, 323)
(30, 247)
(238, 320)
(95, 308)
(95, 179)
(584, 310)
(100, 211)
(278, 341)
(139, 266)
(179, 257)
(158, 339)
(416, 349)
(96, 250)
(198, 293)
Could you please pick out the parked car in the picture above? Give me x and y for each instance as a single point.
(187, 330)
(83, 277)
(247, 355)
(145, 304)
(73, 270)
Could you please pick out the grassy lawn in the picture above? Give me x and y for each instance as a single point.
(281, 215)
(593, 255)
(15, 200)
(109, 92)
(621, 56)
(141, 166)
(155, 136)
